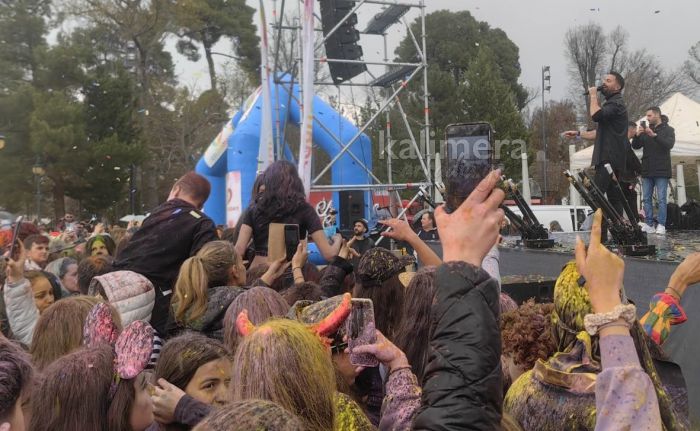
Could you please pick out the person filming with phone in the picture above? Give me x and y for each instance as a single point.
(610, 135)
(656, 139)
(283, 201)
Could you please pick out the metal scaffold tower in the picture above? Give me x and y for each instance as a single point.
(344, 58)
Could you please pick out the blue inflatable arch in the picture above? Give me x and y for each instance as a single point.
(230, 162)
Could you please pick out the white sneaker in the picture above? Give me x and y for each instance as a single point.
(661, 230)
(647, 229)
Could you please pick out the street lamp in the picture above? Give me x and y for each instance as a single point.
(546, 86)
(38, 171)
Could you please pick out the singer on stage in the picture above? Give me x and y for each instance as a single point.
(610, 135)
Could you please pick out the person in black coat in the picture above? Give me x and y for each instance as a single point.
(657, 140)
(173, 232)
(462, 384)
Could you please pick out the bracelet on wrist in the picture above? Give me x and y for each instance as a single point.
(621, 313)
(675, 293)
(297, 267)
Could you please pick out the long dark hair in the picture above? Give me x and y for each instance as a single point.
(387, 299)
(283, 195)
(85, 403)
(413, 334)
(16, 376)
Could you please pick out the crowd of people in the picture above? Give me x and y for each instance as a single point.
(173, 325)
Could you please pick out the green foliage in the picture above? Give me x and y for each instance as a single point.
(485, 97)
(456, 38)
(22, 29)
(205, 22)
(473, 73)
(103, 97)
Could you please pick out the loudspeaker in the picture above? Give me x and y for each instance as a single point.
(350, 208)
(342, 45)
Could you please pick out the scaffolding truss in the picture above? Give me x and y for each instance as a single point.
(395, 80)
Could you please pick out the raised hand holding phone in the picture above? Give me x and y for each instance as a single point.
(15, 266)
(384, 351)
(361, 331)
(468, 233)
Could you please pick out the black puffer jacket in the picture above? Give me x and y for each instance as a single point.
(656, 158)
(462, 389)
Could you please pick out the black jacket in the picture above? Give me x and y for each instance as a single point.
(462, 387)
(611, 135)
(656, 158)
(173, 232)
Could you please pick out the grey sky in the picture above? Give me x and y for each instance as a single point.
(538, 28)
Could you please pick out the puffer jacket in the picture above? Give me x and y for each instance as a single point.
(462, 387)
(130, 293)
(21, 311)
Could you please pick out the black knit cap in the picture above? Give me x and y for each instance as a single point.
(377, 265)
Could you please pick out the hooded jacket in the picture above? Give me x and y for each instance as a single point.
(21, 311)
(462, 387)
(130, 293)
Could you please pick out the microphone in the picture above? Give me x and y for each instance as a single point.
(600, 88)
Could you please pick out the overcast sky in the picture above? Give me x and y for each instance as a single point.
(538, 28)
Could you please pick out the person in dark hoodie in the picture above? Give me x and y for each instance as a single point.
(173, 232)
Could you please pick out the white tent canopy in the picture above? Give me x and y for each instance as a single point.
(684, 116)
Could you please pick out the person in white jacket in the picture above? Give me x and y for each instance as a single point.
(19, 299)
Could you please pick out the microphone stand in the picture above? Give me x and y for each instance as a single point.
(533, 234)
(629, 238)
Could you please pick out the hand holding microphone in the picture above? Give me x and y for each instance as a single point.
(590, 90)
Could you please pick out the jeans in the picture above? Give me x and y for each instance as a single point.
(648, 185)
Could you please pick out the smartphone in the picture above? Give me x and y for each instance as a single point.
(291, 239)
(361, 331)
(469, 158)
(14, 249)
(644, 124)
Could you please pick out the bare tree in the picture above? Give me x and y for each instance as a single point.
(692, 65)
(585, 47)
(647, 83)
(617, 42)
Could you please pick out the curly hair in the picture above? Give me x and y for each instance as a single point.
(283, 195)
(526, 333)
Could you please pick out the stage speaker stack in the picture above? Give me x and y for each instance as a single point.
(342, 45)
(350, 208)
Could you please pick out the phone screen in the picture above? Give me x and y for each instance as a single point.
(468, 160)
(360, 330)
(14, 249)
(291, 239)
